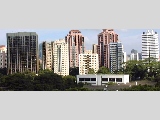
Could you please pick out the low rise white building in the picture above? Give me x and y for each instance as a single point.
(102, 79)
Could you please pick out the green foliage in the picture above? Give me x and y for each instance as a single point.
(103, 70)
(110, 83)
(91, 71)
(146, 69)
(18, 82)
(48, 81)
(69, 81)
(74, 71)
(142, 88)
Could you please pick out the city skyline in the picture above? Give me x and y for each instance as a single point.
(130, 38)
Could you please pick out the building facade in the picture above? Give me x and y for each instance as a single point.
(134, 55)
(150, 45)
(60, 57)
(88, 61)
(75, 42)
(40, 50)
(47, 62)
(103, 79)
(116, 56)
(104, 38)
(3, 56)
(94, 49)
(22, 52)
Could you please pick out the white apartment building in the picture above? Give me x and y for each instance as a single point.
(47, 55)
(150, 45)
(3, 56)
(87, 61)
(60, 57)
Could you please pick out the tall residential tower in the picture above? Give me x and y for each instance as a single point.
(150, 45)
(22, 52)
(104, 38)
(75, 42)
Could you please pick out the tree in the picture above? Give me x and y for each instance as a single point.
(136, 69)
(18, 82)
(74, 71)
(91, 71)
(69, 82)
(157, 79)
(103, 70)
(48, 81)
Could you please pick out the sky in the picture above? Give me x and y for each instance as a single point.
(130, 38)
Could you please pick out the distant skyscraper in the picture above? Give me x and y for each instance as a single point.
(150, 45)
(87, 61)
(47, 62)
(134, 55)
(22, 52)
(116, 56)
(75, 42)
(134, 51)
(104, 38)
(60, 57)
(3, 56)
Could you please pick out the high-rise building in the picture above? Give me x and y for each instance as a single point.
(116, 56)
(22, 52)
(87, 61)
(47, 55)
(60, 57)
(75, 42)
(94, 48)
(150, 45)
(104, 38)
(3, 56)
(40, 51)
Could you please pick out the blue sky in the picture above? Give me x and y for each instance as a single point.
(130, 38)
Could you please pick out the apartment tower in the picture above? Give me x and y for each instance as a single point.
(75, 42)
(116, 56)
(3, 56)
(47, 55)
(60, 57)
(150, 45)
(22, 52)
(88, 60)
(104, 38)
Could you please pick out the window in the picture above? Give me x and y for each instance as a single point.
(93, 79)
(111, 79)
(118, 79)
(81, 79)
(104, 79)
(87, 79)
